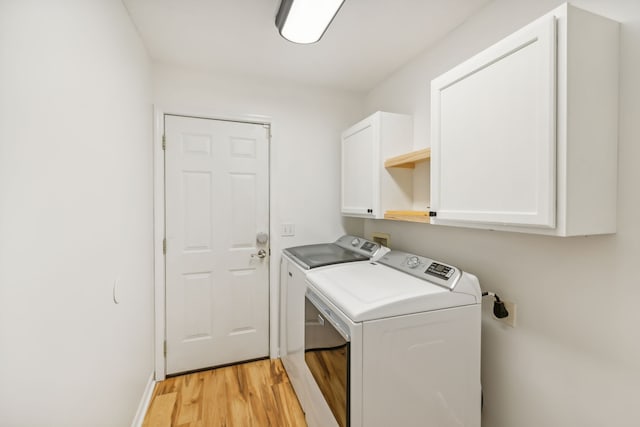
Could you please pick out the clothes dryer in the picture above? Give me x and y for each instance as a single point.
(296, 263)
(401, 344)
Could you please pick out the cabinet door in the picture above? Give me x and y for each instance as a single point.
(360, 155)
(493, 133)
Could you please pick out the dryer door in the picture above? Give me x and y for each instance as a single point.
(327, 356)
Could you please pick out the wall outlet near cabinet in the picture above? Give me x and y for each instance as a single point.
(510, 320)
(381, 238)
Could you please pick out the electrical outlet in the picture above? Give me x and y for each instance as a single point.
(510, 320)
(381, 238)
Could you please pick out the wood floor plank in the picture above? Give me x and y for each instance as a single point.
(288, 410)
(190, 408)
(215, 399)
(161, 410)
(235, 396)
(255, 394)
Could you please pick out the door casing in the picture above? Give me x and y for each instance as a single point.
(159, 233)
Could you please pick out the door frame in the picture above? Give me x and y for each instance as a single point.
(159, 231)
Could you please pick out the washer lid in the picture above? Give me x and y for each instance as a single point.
(346, 249)
(369, 291)
(312, 256)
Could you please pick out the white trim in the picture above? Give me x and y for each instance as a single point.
(145, 401)
(158, 236)
(247, 118)
(159, 221)
(274, 246)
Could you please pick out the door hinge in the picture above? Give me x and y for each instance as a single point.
(164, 246)
(164, 347)
(164, 142)
(431, 213)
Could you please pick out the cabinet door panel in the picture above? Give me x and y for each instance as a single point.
(493, 133)
(358, 171)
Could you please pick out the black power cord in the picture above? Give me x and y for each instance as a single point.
(499, 310)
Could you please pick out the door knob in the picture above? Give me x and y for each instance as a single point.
(261, 254)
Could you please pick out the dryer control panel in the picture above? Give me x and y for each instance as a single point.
(423, 268)
(440, 270)
(361, 246)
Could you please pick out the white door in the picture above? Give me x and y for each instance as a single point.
(217, 263)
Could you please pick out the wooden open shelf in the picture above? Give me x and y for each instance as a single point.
(408, 160)
(411, 216)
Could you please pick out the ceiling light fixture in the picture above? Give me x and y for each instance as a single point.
(305, 21)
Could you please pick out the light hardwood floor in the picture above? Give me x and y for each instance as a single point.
(254, 394)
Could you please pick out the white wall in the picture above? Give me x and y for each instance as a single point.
(305, 149)
(574, 358)
(75, 214)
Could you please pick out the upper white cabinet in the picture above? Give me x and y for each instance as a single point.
(494, 139)
(524, 134)
(368, 189)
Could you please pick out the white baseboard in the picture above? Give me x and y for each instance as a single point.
(143, 407)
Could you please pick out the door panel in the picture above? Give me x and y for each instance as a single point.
(493, 133)
(358, 170)
(216, 203)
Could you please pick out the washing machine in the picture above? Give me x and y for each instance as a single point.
(394, 343)
(296, 263)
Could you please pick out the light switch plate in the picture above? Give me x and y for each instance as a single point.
(287, 229)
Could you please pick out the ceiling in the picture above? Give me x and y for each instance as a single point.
(366, 42)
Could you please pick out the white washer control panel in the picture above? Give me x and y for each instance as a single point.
(423, 268)
(440, 270)
(359, 245)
